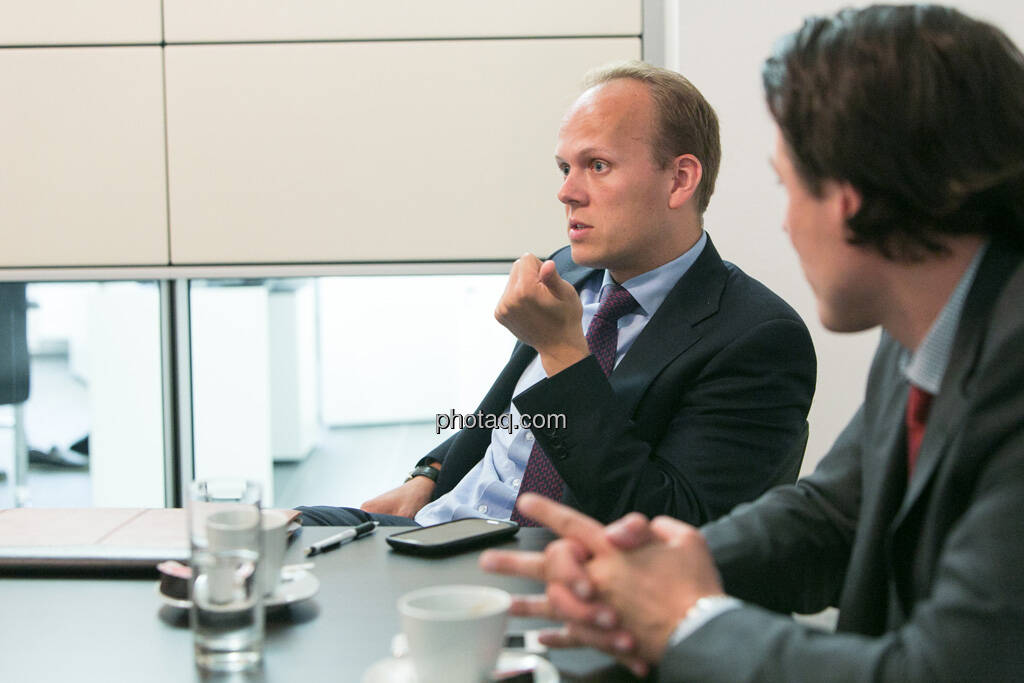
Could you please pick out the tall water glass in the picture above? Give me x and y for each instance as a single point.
(227, 611)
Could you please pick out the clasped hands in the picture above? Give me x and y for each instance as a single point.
(622, 588)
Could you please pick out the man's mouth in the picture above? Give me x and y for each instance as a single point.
(577, 228)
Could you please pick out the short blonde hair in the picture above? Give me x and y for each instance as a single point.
(686, 123)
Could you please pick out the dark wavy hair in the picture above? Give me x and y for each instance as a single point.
(920, 108)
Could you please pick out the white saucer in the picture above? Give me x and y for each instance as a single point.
(295, 586)
(392, 670)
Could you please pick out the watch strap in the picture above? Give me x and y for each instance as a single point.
(427, 471)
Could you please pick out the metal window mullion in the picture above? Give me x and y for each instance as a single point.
(176, 368)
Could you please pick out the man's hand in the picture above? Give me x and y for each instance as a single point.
(654, 586)
(649, 573)
(544, 311)
(570, 594)
(404, 501)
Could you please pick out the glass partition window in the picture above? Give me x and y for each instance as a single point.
(324, 389)
(90, 430)
(327, 389)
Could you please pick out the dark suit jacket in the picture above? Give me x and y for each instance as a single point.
(703, 412)
(929, 577)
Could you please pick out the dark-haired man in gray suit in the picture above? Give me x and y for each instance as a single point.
(901, 148)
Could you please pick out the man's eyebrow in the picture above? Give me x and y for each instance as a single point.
(594, 152)
(587, 152)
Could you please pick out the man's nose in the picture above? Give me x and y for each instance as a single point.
(572, 191)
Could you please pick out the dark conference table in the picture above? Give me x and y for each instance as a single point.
(86, 628)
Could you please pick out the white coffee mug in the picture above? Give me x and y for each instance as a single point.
(275, 542)
(455, 633)
(228, 530)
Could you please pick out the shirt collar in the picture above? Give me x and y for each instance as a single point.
(651, 288)
(926, 366)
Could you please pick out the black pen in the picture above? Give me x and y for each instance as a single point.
(336, 541)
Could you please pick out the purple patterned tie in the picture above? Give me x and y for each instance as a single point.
(602, 338)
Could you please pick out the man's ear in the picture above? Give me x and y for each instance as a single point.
(849, 200)
(687, 173)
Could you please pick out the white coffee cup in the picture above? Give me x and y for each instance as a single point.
(229, 530)
(275, 541)
(455, 633)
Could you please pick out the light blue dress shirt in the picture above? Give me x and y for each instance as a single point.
(926, 366)
(491, 487)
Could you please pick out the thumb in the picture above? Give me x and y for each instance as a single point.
(670, 530)
(630, 532)
(550, 278)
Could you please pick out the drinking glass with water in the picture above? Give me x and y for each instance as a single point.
(227, 611)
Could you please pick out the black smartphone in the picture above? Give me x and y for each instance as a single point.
(452, 537)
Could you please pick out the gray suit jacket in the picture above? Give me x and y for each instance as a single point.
(929, 577)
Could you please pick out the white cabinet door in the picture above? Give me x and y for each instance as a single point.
(83, 179)
(230, 20)
(79, 22)
(430, 150)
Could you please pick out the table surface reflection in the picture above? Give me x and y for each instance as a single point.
(88, 628)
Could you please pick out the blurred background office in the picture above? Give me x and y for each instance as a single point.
(267, 237)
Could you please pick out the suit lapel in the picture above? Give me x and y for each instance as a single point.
(949, 411)
(885, 483)
(883, 487)
(672, 328)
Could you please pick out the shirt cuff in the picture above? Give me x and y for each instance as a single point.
(703, 611)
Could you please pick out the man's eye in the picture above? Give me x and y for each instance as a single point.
(564, 169)
(599, 166)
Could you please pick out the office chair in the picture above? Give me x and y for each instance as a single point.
(14, 384)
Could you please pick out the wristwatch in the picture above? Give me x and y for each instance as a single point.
(423, 471)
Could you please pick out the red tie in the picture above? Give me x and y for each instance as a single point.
(602, 339)
(918, 404)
